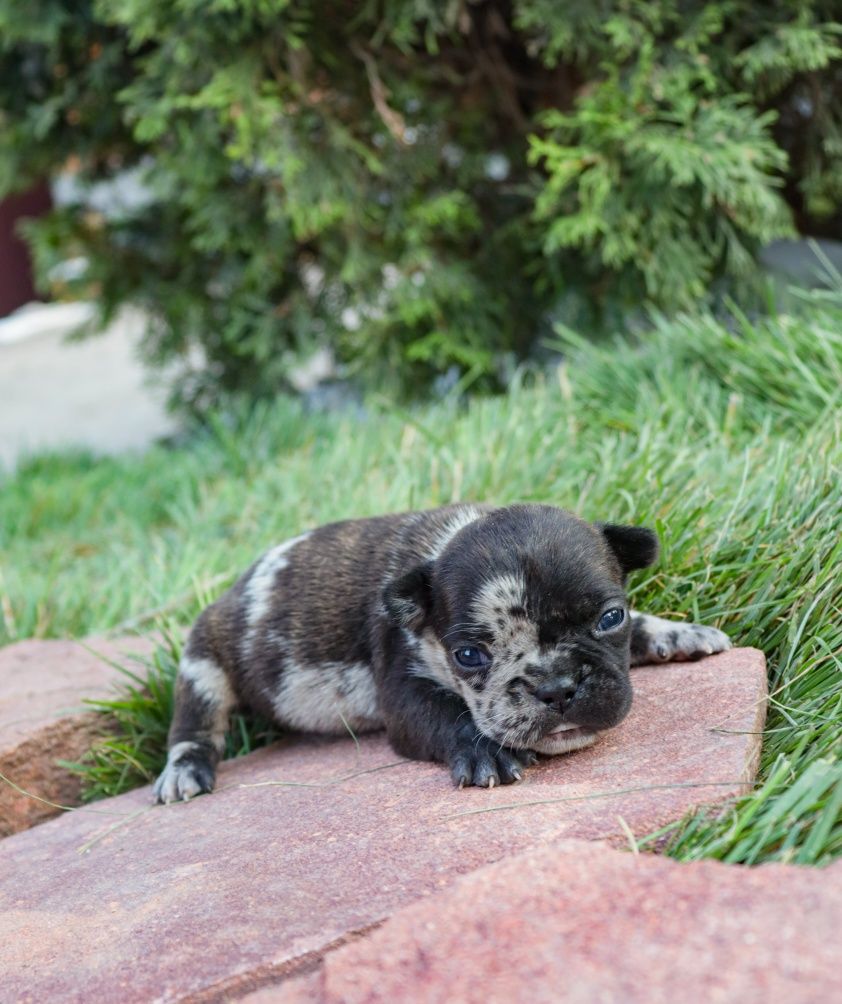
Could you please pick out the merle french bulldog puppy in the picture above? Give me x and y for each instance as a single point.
(477, 636)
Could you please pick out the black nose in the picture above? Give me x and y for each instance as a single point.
(557, 694)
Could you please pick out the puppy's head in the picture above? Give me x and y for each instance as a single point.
(524, 615)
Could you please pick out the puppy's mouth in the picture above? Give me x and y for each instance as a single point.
(564, 738)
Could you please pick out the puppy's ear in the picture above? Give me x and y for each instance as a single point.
(408, 597)
(633, 546)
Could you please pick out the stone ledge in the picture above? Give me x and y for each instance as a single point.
(581, 923)
(310, 842)
(43, 685)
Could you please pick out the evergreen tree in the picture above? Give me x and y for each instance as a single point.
(418, 186)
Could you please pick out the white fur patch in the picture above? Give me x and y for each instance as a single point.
(457, 521)
(515, 639)
(208, 680)
(331, 697)
(261, 585)
(211, 683)
(496, 597)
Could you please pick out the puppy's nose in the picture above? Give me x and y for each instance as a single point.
(557, 694)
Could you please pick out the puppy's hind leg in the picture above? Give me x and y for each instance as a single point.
(204, 699)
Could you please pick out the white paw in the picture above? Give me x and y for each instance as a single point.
(188, 772)
(658, 640)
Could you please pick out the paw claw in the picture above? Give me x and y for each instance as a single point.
(483, 763)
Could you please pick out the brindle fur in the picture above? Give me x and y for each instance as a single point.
(352, 626)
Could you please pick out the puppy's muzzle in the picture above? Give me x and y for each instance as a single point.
(594, 700)
(557, 694)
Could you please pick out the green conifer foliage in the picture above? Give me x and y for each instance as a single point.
(418, 186)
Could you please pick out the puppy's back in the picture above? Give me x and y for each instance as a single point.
(310, 600)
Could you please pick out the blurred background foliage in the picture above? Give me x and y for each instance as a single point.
(422, 188)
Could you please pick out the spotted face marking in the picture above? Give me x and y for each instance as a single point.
(503, 597)
(551, 678)
(499, 609)
(494, 695)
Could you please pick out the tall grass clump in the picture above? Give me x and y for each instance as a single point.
(726, 436)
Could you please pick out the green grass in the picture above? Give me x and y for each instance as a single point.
(132, 750)
(727, 439)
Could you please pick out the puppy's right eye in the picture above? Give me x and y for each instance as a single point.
(471, 657)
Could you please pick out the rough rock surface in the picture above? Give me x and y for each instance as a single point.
(581, 922)
(43, 719)
(309, 843)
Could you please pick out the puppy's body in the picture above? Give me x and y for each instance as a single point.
(474, 635)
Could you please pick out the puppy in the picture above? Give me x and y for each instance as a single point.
(477, 636)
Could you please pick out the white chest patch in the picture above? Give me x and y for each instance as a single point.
(331, 697)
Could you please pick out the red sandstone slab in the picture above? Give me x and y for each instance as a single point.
(43, 719)
(578, 923)
(309, 842)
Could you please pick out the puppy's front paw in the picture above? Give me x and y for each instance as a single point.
(655, 639)
(482, 762)
(189, 771)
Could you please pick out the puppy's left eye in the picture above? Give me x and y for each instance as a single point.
(611, 619)
(471, 657)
